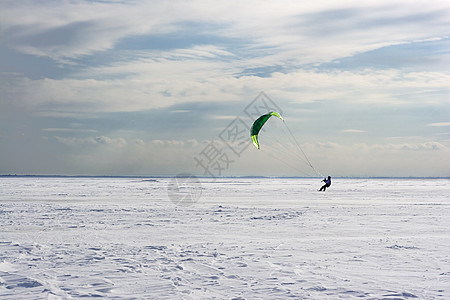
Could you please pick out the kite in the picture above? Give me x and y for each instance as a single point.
(259, 123)
(285, 151)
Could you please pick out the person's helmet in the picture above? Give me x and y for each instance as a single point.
(329, 177)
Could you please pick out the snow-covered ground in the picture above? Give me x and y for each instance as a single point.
(245, 238)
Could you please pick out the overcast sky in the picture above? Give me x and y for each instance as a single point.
(165, 87)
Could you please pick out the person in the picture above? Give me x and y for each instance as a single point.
(327, 183)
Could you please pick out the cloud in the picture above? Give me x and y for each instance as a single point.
(360, 159)
(107, 155)
(433, 146)
(109, 141)
(91, 141)
(441, 124)
(117, 67)
(175, 143)
(200, 51)
(374, 148)
(353, 131)
(183, 82)
(270, 31)
(68, 130)
(180, 111)
(72, 29)
(395, 159)
(168, 143)
(237, 37)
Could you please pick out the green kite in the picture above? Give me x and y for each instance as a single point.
(259, 123)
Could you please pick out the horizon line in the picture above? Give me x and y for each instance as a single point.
(221, 177)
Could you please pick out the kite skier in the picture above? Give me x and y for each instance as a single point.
(327, 184)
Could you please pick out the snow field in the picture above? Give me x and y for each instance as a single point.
(245, 238)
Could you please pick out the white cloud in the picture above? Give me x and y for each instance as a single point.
(91, 141)
(440, 124)
(400, 147)
(71, 29)
(201, 51)
(109, 141)
(182, 82)
(221, 44)
(175, 143)
(264, 33)
(424, 146)
(282, 30)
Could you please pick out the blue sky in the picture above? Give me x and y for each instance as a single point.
(144, 87)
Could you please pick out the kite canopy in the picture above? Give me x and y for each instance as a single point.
(259, 123)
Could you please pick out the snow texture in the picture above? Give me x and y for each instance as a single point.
(245, 238)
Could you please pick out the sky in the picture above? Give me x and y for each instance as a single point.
(159, 88)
